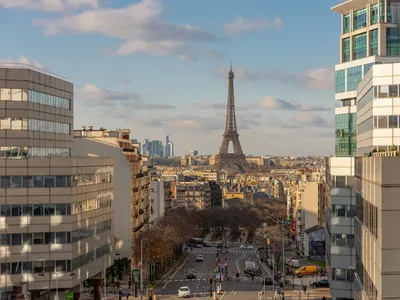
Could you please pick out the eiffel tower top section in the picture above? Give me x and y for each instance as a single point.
(230, 125)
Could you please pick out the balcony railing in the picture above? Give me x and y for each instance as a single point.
(386, 153)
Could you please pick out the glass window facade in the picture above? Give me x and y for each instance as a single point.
(374, 14)
(29, 267)
(23, 152)
(51, 181)
(365, 126)
(360, 18)
(91, 231)
(392, 41)
(346, 49)
(345, 130)
(50, 100)
(46, 210)
(340, 79)
(14, 124)
(354, 77)
(367, 98)
(359, 46)
(91, 256)
(382, 10)
(7, 94)
(393, 11)
(373, 42)
(48, 126)
(346, 23)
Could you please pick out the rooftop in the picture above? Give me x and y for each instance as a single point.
(12, 65)
(345, 6)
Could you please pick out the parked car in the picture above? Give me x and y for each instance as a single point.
(184, 292)
(199, 258)
(191, 274)
(320, 284)
(294, 263)
(206, 245)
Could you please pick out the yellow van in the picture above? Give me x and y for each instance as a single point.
(306, 270)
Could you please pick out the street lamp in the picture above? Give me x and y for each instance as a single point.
(141, 267)
(71, 274)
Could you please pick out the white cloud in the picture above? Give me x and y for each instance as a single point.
(311, 79)
(220, 105)
(94, 96)
(24, 60)
(242, 25)
(301, 120)
(48, 5)
(270, 102)
(139, 26)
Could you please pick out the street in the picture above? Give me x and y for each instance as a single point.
(236, 258)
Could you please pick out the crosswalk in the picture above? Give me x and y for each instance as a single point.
(242, 278)
(229, 251)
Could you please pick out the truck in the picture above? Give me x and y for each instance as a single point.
(249, 264)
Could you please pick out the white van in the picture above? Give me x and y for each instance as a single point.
(294, 263)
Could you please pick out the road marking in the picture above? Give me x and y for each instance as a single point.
(172, 276)
(237, 265)
(266, 270)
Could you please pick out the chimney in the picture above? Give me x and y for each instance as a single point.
(90, 128)
(83, 128)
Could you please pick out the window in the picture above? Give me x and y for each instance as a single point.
(38, 181)
(339, 240)
(61, 238)
(16, 239)
(340, 81)
(339, 210)
(354, 76)
(393, 122)
(383, 91)
(373, 42)
(5, 181)
(50, 100)
(16, 181)
(359, 18)
(61, 265)
(27, 267)
(5, 239)
(27, 210)
(38, 238)
(392, 41)
(382, 121)
(367, 67)
(16, 210)
(359, 46)
(38, 266)
(5, 94)
(38, 210)
(5, 268)
(27, 181)
(61, 181)
(346, 23)
(60, 210)
(365, 126)
(374, 14)
(382, 11)
(5, 210)
(49, 181)
(50, 266)
(16, 268)
(346, 50)
(27, 238)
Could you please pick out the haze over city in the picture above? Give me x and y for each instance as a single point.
(159, 67)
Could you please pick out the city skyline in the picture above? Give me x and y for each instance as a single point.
(124, 79)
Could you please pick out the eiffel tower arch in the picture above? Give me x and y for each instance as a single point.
(231, 135)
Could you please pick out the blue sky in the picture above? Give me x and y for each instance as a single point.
(159, 67)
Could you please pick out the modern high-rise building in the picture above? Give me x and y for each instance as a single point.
(57, 211)
(153, 148)
(369, 36)
(169, 147)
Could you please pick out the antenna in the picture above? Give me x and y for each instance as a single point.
(231, 66)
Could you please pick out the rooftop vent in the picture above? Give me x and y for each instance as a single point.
(90, 128)
(83, 128)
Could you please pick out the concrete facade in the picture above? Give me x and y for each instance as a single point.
(193, 195)
(377, 217)
(57, 211)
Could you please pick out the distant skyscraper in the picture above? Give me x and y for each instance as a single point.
(153, 148)
(194, 153)
(169, 147)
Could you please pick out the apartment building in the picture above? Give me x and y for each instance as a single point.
(193, 195)
(57, 211)
(132, 192)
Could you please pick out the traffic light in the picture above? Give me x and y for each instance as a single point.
(211, 279)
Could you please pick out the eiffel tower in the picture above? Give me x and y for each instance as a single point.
(230, 134)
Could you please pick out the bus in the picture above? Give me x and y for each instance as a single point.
(195, 243)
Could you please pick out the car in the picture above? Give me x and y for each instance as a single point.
(184, 292)
(253, 271)
(199, 258)
(246, 247)
(206, 245)
(320, 284)
(267, 280)
(220, 246)
(191, 274)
